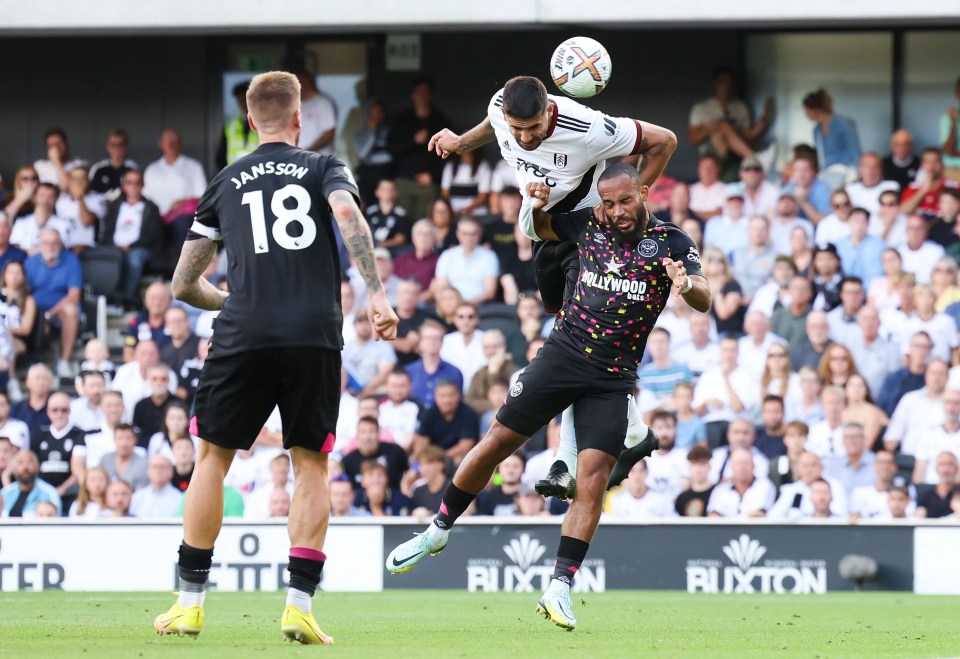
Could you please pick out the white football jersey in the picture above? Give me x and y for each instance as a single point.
(572, 156)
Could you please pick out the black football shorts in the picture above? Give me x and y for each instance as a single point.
(556, 268)
(237, 394)
(555, 379)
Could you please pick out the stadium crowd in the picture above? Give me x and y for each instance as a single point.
(824, 382)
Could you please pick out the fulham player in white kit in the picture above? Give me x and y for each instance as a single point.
(563, 144)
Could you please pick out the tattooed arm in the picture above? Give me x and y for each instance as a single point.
(656, 147)
(359, 242)
(189, 285)
(446, 141)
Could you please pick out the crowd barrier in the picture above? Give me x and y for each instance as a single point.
(514, 555)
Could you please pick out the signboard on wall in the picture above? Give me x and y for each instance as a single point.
(403, 52)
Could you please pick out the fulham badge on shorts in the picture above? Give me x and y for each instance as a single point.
(560, 160)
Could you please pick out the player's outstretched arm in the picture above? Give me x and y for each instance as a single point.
(359, 242)
(692, 288)
(534, 221)
(446, 141)
(656, 147)
(188, 284)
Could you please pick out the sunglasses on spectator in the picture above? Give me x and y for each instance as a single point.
(59, 410)
(841, 204)
(752, 169)
(940, 269)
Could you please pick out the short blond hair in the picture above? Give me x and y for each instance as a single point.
(272, 99)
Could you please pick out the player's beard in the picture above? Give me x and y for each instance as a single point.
(639, 224)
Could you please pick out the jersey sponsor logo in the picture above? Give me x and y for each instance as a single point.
(648, 248)
(270, 167)
(599, 237)
(693, 255)
(609, 126)
(533, 168)
(560, 159)
(633, 288)
(516, 389)
(506, 145)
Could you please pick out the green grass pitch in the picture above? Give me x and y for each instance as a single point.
(446, 624)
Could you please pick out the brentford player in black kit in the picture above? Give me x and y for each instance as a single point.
(630, 262)
(277, 341)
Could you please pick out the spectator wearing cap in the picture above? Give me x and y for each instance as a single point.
(861, 254)
(866, 191)
(919, 254)
(708, 193)
(106, 175)
(728, 232)
(785, 220)
(812, 194)
(57, 280)
(753, 263)
(760, 195)
(827, 276)
(21, 497)
(238, 138)
(148, 324)
(901, 164)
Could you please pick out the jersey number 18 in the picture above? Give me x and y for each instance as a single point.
(284, 217)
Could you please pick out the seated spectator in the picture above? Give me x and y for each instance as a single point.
(888, 223)
(757, 342)
(935, 503)
(538, 465)
(57, 280)
(808, 410)
(740, 435)
(466, 183)
(148, 324)
(893, 321)
(769, 434)
(398, 413)
(124, 463)
(342, 497)
(940, 327)
(14, 430)
(60, 449)
(943, 282)
(132, 224)
(81, 210)
(10, 253)
(678, 207)
(944, 229)
(690, 427)
(517, 268)
(898, 504)
(860, 409)
(827, 276)
(280, 501)
(727, 295)
(902, 164)
(728, 232)
(834, 135)
(635, 500)
(184, 460)
(430, 369)
(420, 264)
(99, 442)
(388, 222)
(918, 253)
(667, 470)
(448, 300)
(753, 263)
(790, 320)
(786, 218)
(692, 502)
(812, 195)
(411, 318)
(866, 191)
(375, 495)
(464, 347)
(441, 217)
(90, 502)
(760, 195)
(922, 196)
(855, 469)
(499, 500)
(58, 163)
(945, 437)
(837, 365)
(785, 469)
(131, 379)
(18, 311)
(367, 360)
(662, 373)
(85, 412)
(826, 437)
(794, 500)
(159, 499)
(96, 357)
(175, 183)
(745, 494)
(183, 343)
(834, 227)
(860, 253)
(499, 367)
(874, 357)
(701, 352)
(257, 504)
(21, 497)
(106, 175)
(149, 412)
(707, 194)
(427, 491)
(25, 233)
(369, 447)
(499, 228)
(20, 201)
(909, 378)
(723, 393)
(32, 410)
(812, 351)
(801, 250)
(390, 281)
(175, 425)
(7, 451)
(449, 424)
(918, 411)
(821, 498)
(882, 293)
(469, 267)
(117, 499)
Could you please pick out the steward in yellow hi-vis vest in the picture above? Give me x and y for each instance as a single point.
(238, 138)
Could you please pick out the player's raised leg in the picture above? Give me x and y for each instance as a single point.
(307, 525)
(639, 443)
(202, 519)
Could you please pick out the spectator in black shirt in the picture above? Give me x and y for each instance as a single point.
(184, 457)
(32, 410)
(60, 449)
(183, 342)
(902, 164)
(388, 222)
(449, 424)
(769, 434)
(428, 490)
(935, 502)
(105, 176)
(498, 230)
(692, 502)
(411, 317)
(375, 494)
(826, 278)
(148, 413)
(499, 500)
(369, 447)
(517, 269)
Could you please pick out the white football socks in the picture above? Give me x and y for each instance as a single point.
(556, 584)
(567, 450)
(636, 429)
(190, 598)
(300, 600)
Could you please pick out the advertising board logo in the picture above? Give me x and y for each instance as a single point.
(750, 573)
(528, 570)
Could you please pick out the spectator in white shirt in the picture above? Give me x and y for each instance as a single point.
(875, 357)
(464, 348)
(919, 254)
(826, 437)
(175, 183)
(774, 293)
(795, 501)
(725, 392)
(754, 345)
(367, 360)
(15, 430)
(25, 233)
(945, 437)
(85, 412)
(871, 500)
(785, 219)
(918, 411)
(637, 501)
(470, 268)
(745, 494)
(398, 413)
(668, 471)
(821, 498)
(707, 194)
(131, 378)
(760, 195)
(257, 504)
(80, 210)
(160, 499)
(753, 263)
(727, 232)
(831, 228)
(843, 319)
(100, 442)
(898, 504)
(940, 327)
(888, 223)
(58, 163)
(701, 353)
(318, 116)
(865, 193)
(740, 435)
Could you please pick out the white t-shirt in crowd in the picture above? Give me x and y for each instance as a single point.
(68, 210)
(468, 274)
(651, 505)
(18, 432)
(318, 115)
(129, 223)
(167, 183)
(863, 197)
(26, 231)
(463, 174)
(920, 261)
(942, 330)
(667, 473)
(931, 444)
(728, 502)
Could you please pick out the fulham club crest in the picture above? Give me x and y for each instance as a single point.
(560, 160)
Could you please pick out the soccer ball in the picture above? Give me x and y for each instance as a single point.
(581, 67)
